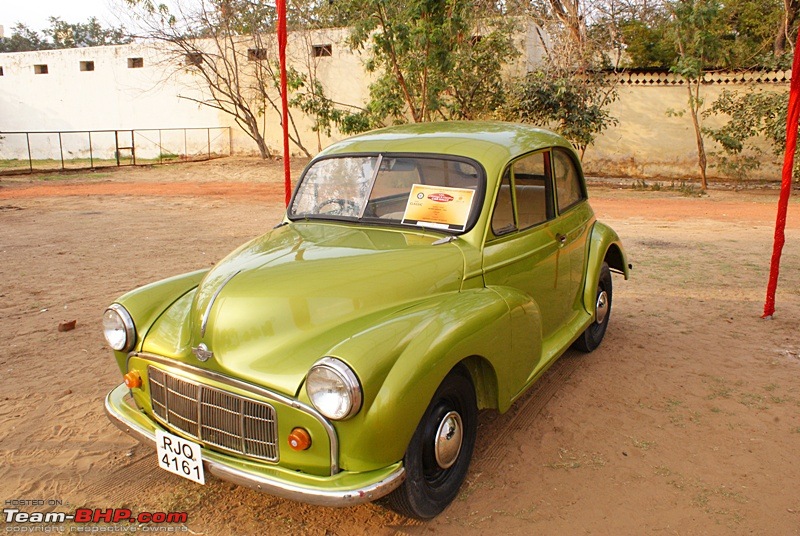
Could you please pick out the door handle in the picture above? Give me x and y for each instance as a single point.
(562, 239)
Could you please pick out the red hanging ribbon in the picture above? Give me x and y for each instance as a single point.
(287, 180)
(786, 182)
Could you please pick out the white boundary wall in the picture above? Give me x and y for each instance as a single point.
(647, 142)
(118, 96)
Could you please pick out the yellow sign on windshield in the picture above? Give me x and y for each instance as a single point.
(438, 207)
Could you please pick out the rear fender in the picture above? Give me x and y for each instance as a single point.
(604, 245)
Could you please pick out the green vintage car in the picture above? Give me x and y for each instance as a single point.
(421, 273)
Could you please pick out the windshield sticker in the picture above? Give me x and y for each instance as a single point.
(438, 207)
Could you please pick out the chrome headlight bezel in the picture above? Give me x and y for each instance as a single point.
(119, 313)
(348, 391)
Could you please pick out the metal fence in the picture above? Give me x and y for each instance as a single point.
(26, 152)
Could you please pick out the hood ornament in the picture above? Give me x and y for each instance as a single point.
(201, 352)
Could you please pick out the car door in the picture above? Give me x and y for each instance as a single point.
(524, 250)
(575, 217)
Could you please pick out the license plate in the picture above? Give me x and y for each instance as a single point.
(179, 456)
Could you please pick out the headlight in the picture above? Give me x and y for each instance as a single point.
(118, 328)
(334, 389)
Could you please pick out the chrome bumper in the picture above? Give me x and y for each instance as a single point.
(342, 489)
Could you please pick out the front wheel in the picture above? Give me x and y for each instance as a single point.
(440, 451)
(593, 336)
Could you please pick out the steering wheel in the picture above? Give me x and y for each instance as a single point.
(338, 207)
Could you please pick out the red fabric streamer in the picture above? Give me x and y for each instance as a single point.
(786, 182)
(287, 181)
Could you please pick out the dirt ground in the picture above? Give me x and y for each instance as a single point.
(685, 421)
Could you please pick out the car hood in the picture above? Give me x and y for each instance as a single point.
(279, 303)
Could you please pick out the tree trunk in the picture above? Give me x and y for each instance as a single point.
(262, 148)
(786, 23)
(694, 104)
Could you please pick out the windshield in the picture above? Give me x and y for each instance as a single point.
(435, 192)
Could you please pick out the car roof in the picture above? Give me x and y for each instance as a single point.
(492, 143)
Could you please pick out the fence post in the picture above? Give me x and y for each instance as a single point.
(30, 158)
(116, 145)
(61, 149)
(91, 153)
(133, 146)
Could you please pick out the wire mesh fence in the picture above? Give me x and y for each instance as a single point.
(26, 152)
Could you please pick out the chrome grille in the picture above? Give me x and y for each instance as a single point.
(215, 417)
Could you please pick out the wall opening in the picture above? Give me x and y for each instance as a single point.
(257, 54)
(194, 58)
(40, 69)
(322, 51)
(87, 66)
(135, 63)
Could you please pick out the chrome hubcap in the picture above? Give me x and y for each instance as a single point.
(601, 308)
(448, 440)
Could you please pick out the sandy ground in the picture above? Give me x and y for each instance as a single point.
(685, 421)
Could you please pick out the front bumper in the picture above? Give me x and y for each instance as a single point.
(342, 489)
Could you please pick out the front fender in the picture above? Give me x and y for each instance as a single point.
(604, 245)
(403, 360)
(146, 304)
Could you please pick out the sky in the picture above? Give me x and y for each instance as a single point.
(34, 13)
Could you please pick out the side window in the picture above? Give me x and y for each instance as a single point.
(503, 217)
(532, 190)
(568, 183)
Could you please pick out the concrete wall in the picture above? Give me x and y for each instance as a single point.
(111, 96)
(655, 136)
(652, 139)
(159, 94)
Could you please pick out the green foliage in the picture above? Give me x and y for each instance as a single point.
(735, 34)
(698, 30)
(574, 104)
(311, 99)
(751, 114)
(88, 34)
(23, 39)
(648, 46)
(432, 60)
(61, 34)
(751, 27)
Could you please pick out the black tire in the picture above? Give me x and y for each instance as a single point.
(429, 487)
(593, 336)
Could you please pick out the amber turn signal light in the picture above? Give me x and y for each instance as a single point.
(133, 380)
(299, 439)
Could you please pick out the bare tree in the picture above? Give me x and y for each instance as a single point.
(228, 44)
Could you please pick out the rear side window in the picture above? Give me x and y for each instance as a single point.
(568, 182)
(531, 188)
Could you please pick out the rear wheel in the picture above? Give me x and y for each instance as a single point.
(440, 451)
(593, 336)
